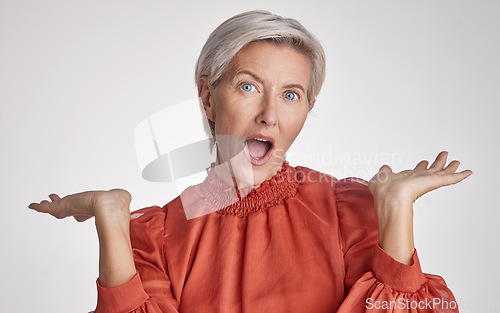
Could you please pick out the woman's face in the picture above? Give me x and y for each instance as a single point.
(259, 108)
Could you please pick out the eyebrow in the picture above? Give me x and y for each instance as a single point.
(247, 72)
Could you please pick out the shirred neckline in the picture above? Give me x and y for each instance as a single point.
(224, 199)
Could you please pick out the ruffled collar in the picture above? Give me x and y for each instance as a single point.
(224, 199)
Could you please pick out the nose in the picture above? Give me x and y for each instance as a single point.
(268, 114)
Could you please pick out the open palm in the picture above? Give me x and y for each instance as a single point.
(84, 205)
(409, 185)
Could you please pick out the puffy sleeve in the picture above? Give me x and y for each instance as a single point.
(374, 281)
(150, 289)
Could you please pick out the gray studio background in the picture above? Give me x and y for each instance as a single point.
(405, 80)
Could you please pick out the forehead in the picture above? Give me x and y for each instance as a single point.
(273, 61)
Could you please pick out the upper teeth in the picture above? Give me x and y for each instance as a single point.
(259, 139)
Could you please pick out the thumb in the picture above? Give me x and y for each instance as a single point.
(385, 168)
(382, 175)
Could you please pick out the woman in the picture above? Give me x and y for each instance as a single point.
(259, 235)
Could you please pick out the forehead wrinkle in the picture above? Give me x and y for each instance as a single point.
(244, 71)
(262, 68)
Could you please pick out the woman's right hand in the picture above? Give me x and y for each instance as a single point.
(87, 204)
(112, 218)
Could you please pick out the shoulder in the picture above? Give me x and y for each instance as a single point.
(355, 202)
(155, 220)
(347, 190)
(147, 225)
(148, 214)
(352, 186)
(309, 176)
(155, 213)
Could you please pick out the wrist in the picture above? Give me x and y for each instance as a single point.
(113, 211)
(395, 229)
(116, 218)
(112, 205)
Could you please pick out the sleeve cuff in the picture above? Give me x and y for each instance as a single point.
(123, 298)
(396, 275)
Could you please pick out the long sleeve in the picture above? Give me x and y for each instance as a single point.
(374, 281)
(150, 290)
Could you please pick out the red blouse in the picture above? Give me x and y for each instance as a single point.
(301, 242)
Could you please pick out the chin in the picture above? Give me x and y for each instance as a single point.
(265, 171)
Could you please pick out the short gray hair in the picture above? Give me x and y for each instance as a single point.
(236, 32)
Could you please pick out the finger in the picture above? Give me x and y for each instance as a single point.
(42, 207)
(385, 168)
(382, 175)
(439, 162)
(466, 173)
(422, 165)
(454, 178)
(452, 167)
(54, 197)
(55, 209)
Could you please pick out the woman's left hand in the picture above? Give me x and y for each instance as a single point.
(409, 185)
(394, 194)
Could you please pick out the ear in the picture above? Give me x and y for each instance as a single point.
(205, 97)
(311, 104)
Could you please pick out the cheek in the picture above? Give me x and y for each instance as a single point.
(294, 132)
(235, 111)
(295, 122)
(231, 115)
(291, 131)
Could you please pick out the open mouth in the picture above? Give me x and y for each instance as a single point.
(258, 149)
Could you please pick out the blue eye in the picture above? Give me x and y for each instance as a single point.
(290, 95)
(247, 87)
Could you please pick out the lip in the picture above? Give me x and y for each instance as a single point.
(266, 157)
(260, 136)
